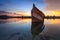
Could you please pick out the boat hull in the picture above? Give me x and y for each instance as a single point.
(37, 15)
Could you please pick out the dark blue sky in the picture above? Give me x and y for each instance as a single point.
(21, 5)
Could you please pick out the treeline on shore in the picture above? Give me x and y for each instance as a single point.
(6, 16)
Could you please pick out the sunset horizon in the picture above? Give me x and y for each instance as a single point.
(48, 7)
(29, 19)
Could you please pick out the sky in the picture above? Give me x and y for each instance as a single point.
(48, 7)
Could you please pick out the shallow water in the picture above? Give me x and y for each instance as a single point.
(22, 29)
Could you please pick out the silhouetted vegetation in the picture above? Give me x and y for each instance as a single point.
(4, 16)
(47, 17)
(52, 17)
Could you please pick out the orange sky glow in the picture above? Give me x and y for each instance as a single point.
(52, 13)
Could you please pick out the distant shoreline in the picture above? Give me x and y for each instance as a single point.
(46, 17)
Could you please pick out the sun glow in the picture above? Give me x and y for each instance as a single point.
(52, 13)
(56, 13)
(24, 13)
(27, 14)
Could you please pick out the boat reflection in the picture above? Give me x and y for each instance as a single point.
(36, 28)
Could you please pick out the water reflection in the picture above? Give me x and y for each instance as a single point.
(21, 20)
(52, 21)
(15, 29)
(37, 28)
(23, 29)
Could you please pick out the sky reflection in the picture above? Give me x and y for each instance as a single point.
(20, 29)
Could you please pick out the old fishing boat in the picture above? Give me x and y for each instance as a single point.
(37, 15)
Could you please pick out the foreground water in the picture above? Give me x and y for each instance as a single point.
(21, 29)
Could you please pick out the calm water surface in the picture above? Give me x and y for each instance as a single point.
(20, 29)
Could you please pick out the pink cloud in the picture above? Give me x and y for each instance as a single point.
(53, 5)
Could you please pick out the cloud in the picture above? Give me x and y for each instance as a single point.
(53, 5)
